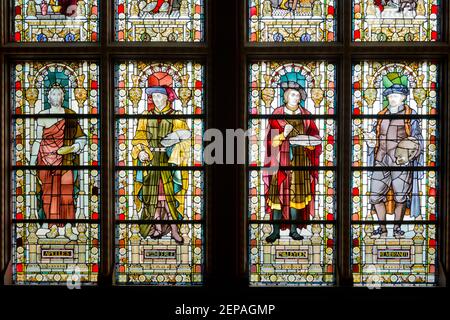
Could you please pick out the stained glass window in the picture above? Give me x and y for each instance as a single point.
(396, 20)
(395, 173)
(291, 172)
(55, 171)
(159, 20)
(292, 20)
(160, 177)
(55, 20)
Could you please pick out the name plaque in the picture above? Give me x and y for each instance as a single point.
(56, 253)
(394, 254)
(292, 254)
(150, 254)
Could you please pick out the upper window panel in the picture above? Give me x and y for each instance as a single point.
(55, 21)
(159, 20)
(396, 20)
(292, 20)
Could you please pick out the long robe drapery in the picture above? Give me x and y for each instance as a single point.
(162, 190)
(57, 188)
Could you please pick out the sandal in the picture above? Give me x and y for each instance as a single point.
(157, 234)
(179, 240)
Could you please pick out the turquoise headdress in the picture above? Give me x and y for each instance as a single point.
(395, 83)
(293, 80)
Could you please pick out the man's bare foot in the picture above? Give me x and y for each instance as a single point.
(178, 239)
(68, 232)
(53, 233)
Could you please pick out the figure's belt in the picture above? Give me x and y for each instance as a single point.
(152, 149)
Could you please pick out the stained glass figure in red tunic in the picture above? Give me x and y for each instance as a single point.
(296, 143)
